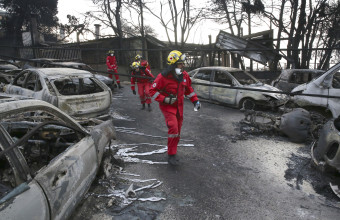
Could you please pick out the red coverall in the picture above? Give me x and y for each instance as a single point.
(143, 84)
(145, 64)
(163, 86)
(112, 67)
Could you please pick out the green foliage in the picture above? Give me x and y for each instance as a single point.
(21, 11)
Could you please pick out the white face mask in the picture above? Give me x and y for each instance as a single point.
(111, 54)
(178, 71)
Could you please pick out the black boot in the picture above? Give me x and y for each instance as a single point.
(119, 86)
(149, 107)
(143, 107)
(173, 160)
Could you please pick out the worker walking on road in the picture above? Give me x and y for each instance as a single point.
(142, 83)
(169, 89)
(112, 66)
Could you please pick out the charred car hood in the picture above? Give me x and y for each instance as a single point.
(267, 87)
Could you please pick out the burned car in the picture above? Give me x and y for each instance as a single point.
(291, 78)
(48, 161)
(8, 71)
(107, 80)
(7, 65)
(76, 92)
(328, 84)
(6, 76)
(326, 152)
(11, 97)
(38, 62)
(228, 77)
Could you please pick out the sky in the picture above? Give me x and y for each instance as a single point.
(199, 36)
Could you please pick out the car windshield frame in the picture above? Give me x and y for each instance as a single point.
(81, 82)
(246, 73)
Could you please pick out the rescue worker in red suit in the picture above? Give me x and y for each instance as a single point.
(143, 63)
(112, 66)
(142, 83)
(169, 89)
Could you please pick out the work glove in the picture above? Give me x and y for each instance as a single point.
(170, 100)
(197, 105)
(134, 92)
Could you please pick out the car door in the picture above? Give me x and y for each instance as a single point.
(68, 176)
(21, 198)
(222, 94)
(203, 76)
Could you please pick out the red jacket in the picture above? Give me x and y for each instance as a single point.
(146, 72)
(166, 84)
(111, 62)
(145, 64)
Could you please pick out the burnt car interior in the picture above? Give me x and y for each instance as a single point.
(28, 80)
(300, 78)
(40, 137)
(221, 77)
(203, 75)
(243, 78)
(77, 86)
(336, 81)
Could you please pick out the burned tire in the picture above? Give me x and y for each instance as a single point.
(247, 104)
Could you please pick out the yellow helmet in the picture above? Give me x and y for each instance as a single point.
(111, 52)
(175, 57)
(138, 57)
(135, 65)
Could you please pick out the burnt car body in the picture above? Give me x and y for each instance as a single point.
(7, 65)
(328, 84)
(8, 71)
(296, 124)
(291, 78)
(38, 62)
(6, 76)
(107, 80)
(233, 77)
(326, 152)
(76, 92)
(11, 97)
(48, 161)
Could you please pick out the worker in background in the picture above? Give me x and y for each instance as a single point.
(143, 63)
(169, 89)
(143, 83)
(112, 66)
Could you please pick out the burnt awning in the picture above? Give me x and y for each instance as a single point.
(246, 48)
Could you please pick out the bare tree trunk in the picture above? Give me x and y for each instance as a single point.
(279, 33)
(295, 4)
(299, 34)
(228, 16)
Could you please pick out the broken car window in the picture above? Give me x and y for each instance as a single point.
(32, 82)
(203, 75)
(244, 78)
(222, 77)
(336, 81)
(77, 86)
